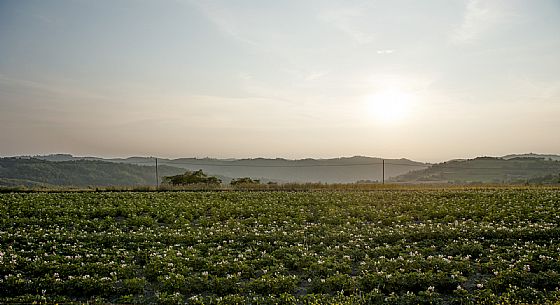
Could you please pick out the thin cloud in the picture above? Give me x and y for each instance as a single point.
(223, 20)
(54, 89)
(344, 19)
(535, 89)
(314, 76)
(387, 51)
(481, 17)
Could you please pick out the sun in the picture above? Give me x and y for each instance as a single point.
(390, 106)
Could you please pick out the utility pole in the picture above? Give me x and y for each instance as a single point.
(157, 176)
(383, 172)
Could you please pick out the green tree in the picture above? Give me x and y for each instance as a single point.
(189, 178)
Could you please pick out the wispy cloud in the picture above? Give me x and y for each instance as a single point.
(480, 17)
(387, 51)
(52, 88)
(305, 75)
(345, 20)
(223, 19)
(528, 88)
(44, 18)
(314, 75)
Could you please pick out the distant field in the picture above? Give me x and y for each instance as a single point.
(440, 246)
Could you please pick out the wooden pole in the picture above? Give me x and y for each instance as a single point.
(383, 171)
(157, 176)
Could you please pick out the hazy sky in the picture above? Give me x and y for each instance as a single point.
(426, 80)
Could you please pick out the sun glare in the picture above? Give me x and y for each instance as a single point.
(389, 106)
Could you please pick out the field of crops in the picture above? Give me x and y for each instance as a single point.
(387, 246)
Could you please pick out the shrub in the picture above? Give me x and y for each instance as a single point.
(190, 178)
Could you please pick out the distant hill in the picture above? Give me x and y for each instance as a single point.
(337, 170)
(532, 155)
(488, 170)
(64, 169)
(35, 173)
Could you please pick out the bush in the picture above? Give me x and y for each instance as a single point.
(244, 181)
(190, 178)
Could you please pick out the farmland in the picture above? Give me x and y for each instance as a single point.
(439, 246)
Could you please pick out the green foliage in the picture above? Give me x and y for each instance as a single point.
(244, 181)
(489, 170)
(40, 173)
(447, 246)
(189, 178)
(548, 179)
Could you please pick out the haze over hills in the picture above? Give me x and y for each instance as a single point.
(66, 170)
(336, 170)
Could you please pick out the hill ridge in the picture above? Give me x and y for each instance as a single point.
(331, 170)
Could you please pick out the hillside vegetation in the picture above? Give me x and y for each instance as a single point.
(66, 170)
(38, 173)
(489, 170)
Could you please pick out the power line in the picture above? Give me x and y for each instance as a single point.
(276, 165)
(442, 166)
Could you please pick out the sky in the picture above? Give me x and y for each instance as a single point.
(426, 80)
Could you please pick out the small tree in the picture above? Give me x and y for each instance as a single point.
(245, 181)
(189, 178)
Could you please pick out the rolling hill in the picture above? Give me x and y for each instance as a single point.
(488, 170)
(533, 155)
(67, 170)
(336, 170)
(32, 172)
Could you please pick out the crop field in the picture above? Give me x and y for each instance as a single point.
(446, 246)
